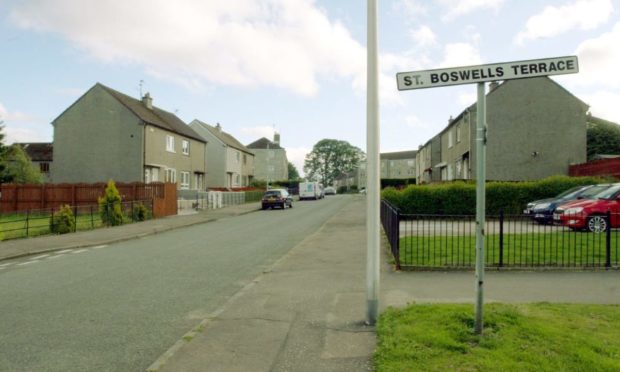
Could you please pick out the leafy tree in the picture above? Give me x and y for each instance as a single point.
(3, 150)
(603, 137)
(18, 168)
(110, 206)
(293, 174)
(330, 158)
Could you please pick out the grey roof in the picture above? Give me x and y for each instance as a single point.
(156, 116)
(399, 155)
(223, 136)
(264, 144)
(38, 151)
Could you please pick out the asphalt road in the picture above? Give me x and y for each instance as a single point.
(119, 307)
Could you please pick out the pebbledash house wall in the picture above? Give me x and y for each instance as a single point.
(118, 151)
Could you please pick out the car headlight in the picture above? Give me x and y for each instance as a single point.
(542, 206)
(574, 210)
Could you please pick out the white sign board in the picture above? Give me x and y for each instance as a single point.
(485, 73)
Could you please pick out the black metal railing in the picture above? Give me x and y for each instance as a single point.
(441, 241)
(38, 222)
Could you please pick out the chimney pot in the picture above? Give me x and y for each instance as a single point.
(147, 101)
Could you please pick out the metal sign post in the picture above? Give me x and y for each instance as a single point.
(481, 74)
(481, 134)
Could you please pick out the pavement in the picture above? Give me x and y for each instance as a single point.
(307, 312)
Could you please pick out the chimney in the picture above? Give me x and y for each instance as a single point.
(493, 85)
(276, 138)
(147, 101)
(218, 127)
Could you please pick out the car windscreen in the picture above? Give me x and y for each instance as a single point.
(272, 193)
(594, 191)
(571, 193)
(609, 193)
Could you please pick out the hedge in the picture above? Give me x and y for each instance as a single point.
(459, 198)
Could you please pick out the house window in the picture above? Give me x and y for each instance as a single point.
(245, 159)
(198, 181)
(171, 175)
(44, 167)
(237, 179)
(184, 180)
(238, 156)
(450, 139)
(185, 147)
(458, 133)
(169, 143)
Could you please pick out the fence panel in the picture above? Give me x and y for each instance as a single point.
(441, 241)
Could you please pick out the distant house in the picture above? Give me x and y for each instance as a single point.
(535, 129)
(106, 135)
(398, 165)
(230, 164)
(270, 161)
(41, 154)
(427, 156)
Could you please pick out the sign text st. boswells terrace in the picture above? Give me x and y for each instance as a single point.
(485, 73)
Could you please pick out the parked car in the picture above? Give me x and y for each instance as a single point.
(591, 214)
(329, 190)
(277, 198)
(542, 210)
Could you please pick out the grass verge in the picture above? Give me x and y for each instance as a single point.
(547, 249)
(526, 337)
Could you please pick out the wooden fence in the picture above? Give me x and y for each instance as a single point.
(18, 198)
(603, 167)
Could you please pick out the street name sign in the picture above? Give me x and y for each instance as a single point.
(484, 73)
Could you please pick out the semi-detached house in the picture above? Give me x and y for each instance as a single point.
(231, 164)
(107, 135)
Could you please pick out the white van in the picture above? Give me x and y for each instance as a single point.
(309, 190)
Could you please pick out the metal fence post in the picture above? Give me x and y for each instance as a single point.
(397, 238)
(501, 238)
(75, 212)
(608, 241)
(27, 222)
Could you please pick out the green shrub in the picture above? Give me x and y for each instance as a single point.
(110, 206)
(140, 213)
(459, 198)
(62, 221)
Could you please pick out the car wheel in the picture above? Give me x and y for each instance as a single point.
(290, 205)
(597, 224)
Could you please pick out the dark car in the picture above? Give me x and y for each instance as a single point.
(276, 198)
(542, 210)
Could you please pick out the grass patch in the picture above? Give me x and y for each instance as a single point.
(546, 249)
(527, 337)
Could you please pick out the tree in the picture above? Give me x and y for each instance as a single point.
(110, 206)
(17, 167)
(3, 150)
(293, 174)
(603, 137)
(329, 158)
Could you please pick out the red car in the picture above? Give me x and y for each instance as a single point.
(591, 215)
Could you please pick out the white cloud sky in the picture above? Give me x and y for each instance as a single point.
(460, 54)
(599, 59)
(553, 21)
(297, 155)
(423, 36)
(251, 134)
(456, 8)
(603, 104)
(282, 43)
(21, 127)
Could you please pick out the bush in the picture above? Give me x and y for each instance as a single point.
(459, 198)
(110, 206)
(63, 221)
(140, 213)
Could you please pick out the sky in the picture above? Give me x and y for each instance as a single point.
(297, 67)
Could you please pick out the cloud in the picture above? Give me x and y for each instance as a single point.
(457, 8)
(424, 37)
(7, 116)
(297, 155)
(460, 54)
(289, 44)
(599, 59)
(413, 121)
(466, 99)
(251, 134)
(604, 104)
(553, 21)
(411, 9)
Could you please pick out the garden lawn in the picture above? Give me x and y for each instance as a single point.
(527, 337)
(542, 249)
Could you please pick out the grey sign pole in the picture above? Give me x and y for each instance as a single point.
(481, 129)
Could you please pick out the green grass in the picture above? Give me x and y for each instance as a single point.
(547, 249)
(528, 337)
(15, 226)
